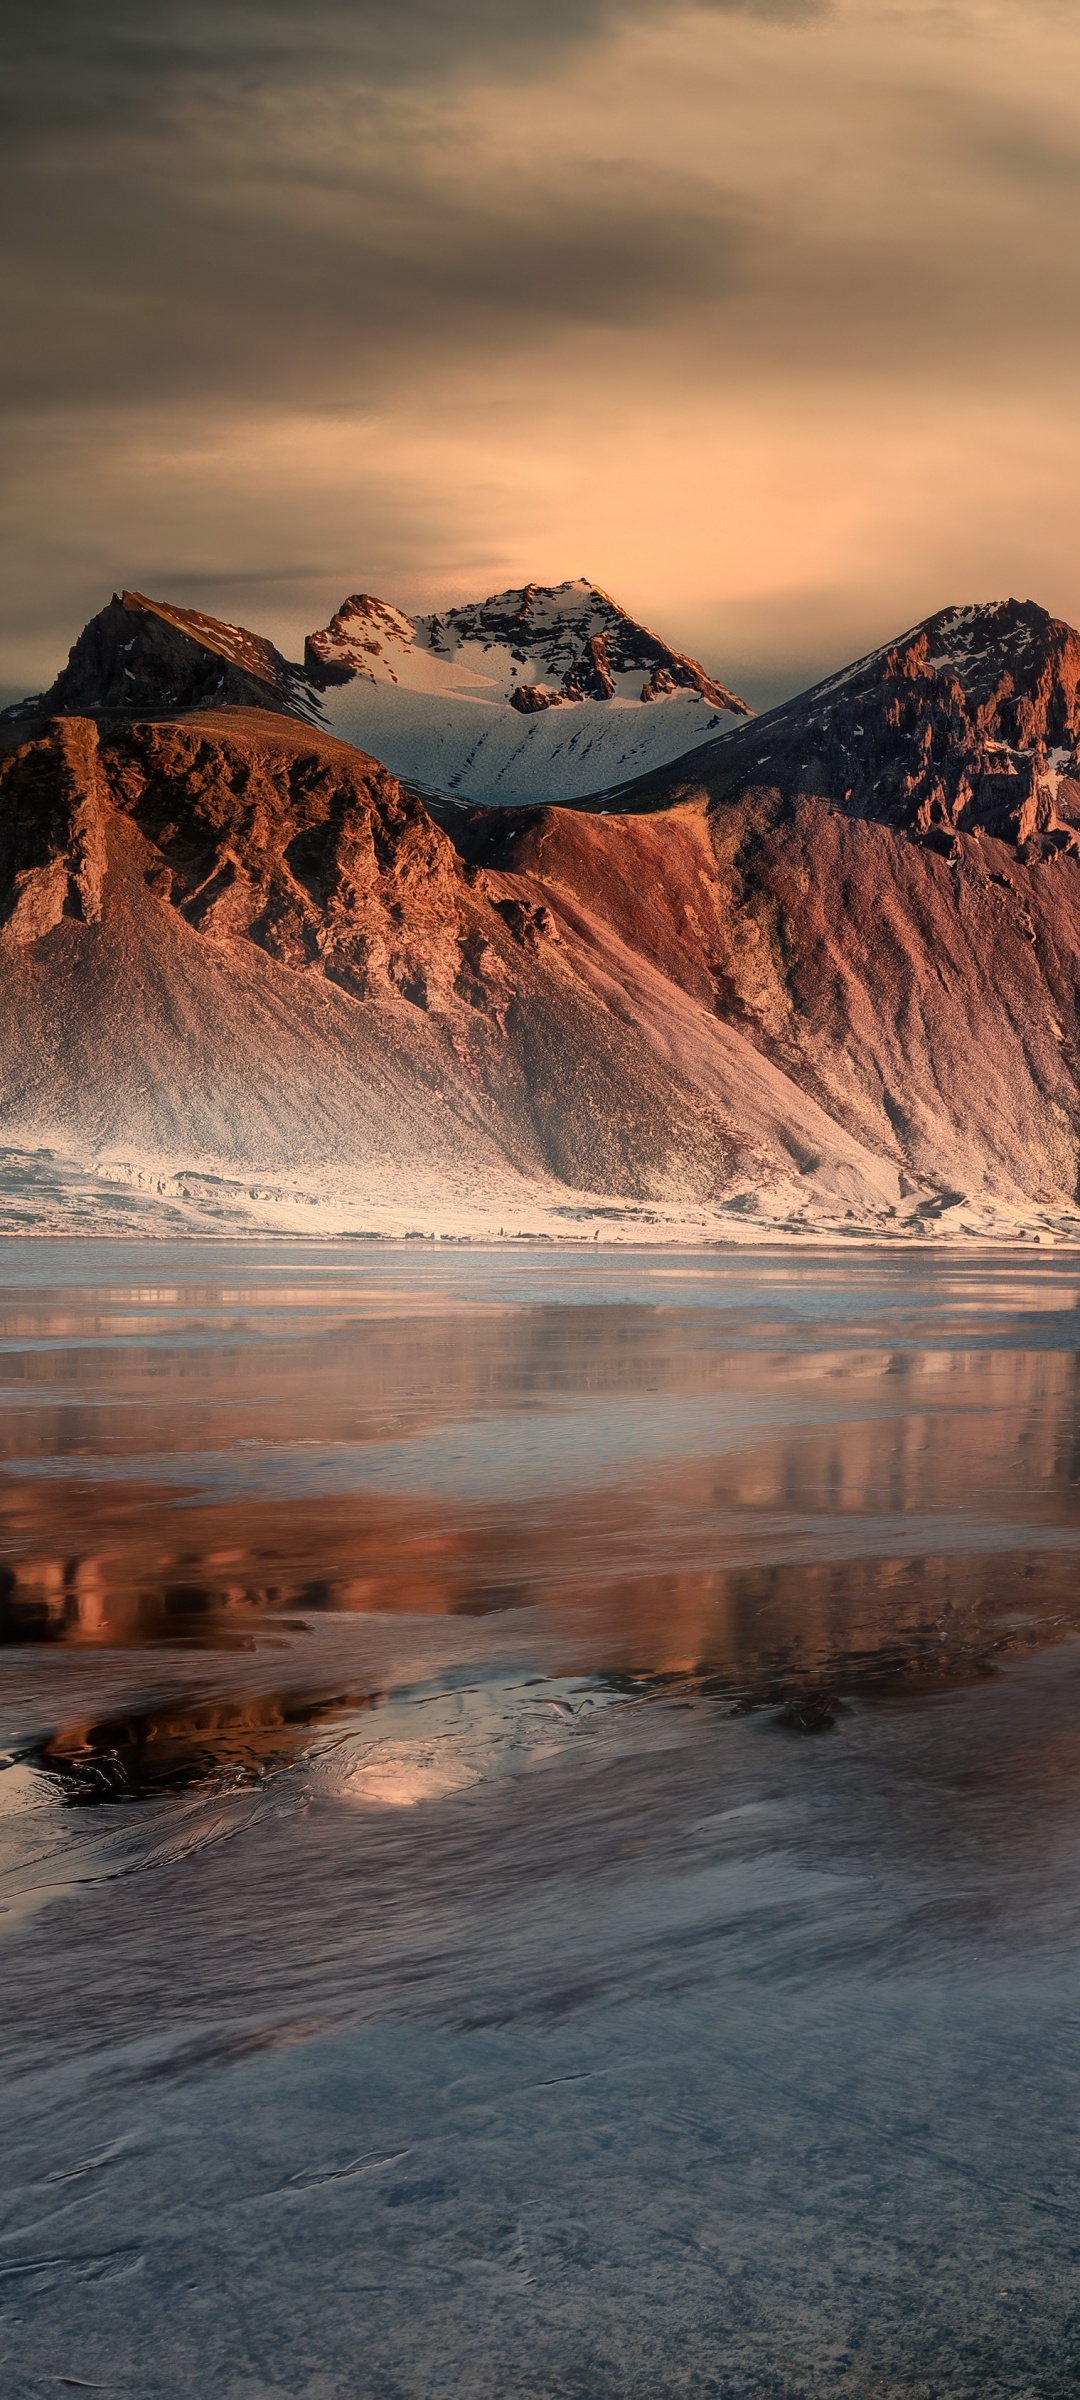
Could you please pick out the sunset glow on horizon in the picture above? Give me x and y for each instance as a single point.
(759, 316)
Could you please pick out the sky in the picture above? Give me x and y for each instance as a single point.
(763, 314)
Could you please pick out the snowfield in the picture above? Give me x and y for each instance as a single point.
(481, 749)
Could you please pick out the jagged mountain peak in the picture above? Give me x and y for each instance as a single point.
(142, 656)
(543, 692)
(977, 644)
(537, 646)
(235, 643)
(968, 722)
(971, 721)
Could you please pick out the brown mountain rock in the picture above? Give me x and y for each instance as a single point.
(969, 723)
(233, 944)
(890, 906)
(142, 656)
(930, 1005)
(824, 973)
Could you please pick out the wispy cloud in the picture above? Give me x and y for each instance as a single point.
(502, 265)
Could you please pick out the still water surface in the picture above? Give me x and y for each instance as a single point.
(539, 1829)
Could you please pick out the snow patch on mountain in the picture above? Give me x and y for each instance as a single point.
(482, 753)
(543, 693)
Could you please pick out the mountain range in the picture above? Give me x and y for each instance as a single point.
(271, 954)
(533, 694)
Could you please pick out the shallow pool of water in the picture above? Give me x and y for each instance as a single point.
(538, 1834)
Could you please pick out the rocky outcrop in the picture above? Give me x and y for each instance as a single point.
(568, 639)
(140, 656)
(305, 849)
(530, 699)
(362, 631)
(52, 832)
(969, 723)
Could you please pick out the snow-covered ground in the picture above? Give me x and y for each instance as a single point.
(480, 749)
(146, 1196)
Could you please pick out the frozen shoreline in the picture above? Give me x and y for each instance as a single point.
(44, 1192)
(537, 1821)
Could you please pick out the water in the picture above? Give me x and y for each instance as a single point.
(538, 1846)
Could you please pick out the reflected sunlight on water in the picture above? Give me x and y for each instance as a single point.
(707, 1465)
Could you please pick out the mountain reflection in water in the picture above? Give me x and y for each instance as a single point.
(537, 1833)
(683, 1486)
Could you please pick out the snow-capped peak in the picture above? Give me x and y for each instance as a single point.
(547, 692)
(569, 641)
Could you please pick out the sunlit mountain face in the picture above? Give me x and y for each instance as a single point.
(539, 693)
(817, 970)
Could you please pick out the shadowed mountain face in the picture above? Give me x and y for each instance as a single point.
(825, 972)
(140, 656)
(969, 723)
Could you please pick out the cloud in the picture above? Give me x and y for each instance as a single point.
(565, 248)
(73, 65)
(305, 217)
(304, 279)
(206, 200)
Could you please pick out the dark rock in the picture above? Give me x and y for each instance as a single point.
(141, 657)
(530, 698)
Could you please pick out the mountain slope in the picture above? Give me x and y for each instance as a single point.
(237, 961)
(930, 1006)
(138, 656)
(542, 693)
(894, 902)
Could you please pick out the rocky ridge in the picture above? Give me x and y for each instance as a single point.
(823, 975)
(542, 647)
(969, 723)
(140, 656)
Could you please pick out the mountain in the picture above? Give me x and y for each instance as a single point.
(246, 978)
(145, 656)
(898, 878)
(822, 974)
(543, 693)
(969, 723)
(540, 693)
